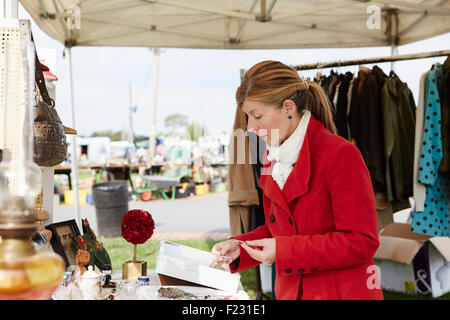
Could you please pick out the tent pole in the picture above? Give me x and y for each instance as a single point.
(394, 52)
(130, 115)
(394, 38)
(152, 140)
(73, 141)
(9, 9)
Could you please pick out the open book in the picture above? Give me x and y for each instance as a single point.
(182, 265)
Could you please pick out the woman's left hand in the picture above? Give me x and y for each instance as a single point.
(267, 254)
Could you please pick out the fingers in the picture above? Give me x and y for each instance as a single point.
(262, 250)
(216, 250)
(259, 242)
(224, 252)
(254, 253)
(222, 259)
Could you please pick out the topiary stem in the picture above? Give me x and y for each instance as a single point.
(134, 254)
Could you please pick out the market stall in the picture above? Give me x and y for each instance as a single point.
(236, 25)
(251, 24)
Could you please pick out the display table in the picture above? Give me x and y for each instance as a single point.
(131, 290)
(150, 292)
(117, 171)
(162, 183)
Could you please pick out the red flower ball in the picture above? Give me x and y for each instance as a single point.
(137, 226)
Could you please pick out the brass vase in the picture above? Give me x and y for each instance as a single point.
(133, 269)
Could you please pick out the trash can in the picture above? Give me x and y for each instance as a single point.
(111, 203)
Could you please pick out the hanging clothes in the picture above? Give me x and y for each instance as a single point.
(378, 114)
(363, 103)
(342, 104)
(356, 105)
(335, 88)
(328, 84)
(419, 190)
(371, 143)
(398, 114)
(434, 220)
(445, 118)
(366, 124)
(349, 101)
(258, 148)
(242, 190)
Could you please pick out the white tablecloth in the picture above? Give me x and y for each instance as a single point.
(150, 292)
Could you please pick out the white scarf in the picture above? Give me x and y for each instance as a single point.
(286, 155)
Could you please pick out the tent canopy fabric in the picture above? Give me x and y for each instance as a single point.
(240, 24)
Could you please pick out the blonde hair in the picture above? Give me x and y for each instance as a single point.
(273, 82)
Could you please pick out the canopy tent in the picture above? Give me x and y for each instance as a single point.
(241, 24)
(237, 24)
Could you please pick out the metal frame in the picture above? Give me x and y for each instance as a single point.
(56, 242)
(294, 20)
(321, 65)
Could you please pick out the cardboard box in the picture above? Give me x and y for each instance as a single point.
(182, 265)
(412, 262)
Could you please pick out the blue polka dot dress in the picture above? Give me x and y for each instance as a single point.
(434, 220)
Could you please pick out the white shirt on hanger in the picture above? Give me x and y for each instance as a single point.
(419, 189)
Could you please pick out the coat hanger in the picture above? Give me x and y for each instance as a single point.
(363, 68)
(318, 77)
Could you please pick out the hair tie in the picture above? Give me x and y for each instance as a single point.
(305, 82)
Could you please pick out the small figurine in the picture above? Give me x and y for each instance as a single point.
(100, 255)
(88, 241)
(107, 276)
(82, 259)
(81, 243)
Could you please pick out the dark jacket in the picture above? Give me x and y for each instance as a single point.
(368, 126)
(445, 118)
(356, 105)
(341, 106)
(398, 112)
(371, 142)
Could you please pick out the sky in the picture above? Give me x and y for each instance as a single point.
(200, 84)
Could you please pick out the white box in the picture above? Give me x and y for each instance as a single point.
(265, 271)
(193, 265)
(412, 262)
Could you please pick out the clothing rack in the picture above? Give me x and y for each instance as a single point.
(321, 65)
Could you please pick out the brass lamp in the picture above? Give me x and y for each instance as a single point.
(24, 272)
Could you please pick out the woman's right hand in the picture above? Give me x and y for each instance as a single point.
(228, 248)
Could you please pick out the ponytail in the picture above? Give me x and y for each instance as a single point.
(314, 99)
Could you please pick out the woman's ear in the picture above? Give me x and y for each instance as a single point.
(289, 107)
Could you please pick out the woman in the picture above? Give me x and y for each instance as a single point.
(321, 221)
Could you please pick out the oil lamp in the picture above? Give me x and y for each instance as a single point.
(24, 272)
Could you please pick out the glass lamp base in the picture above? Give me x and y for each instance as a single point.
(33, 277)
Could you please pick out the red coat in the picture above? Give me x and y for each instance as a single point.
(324, 222)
